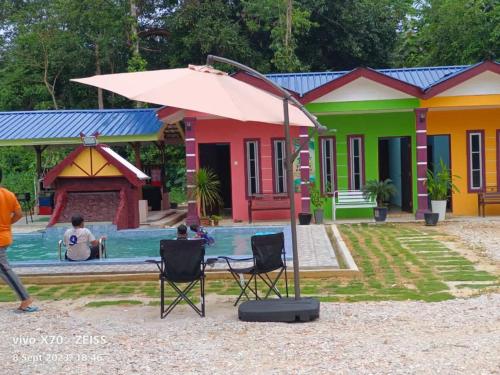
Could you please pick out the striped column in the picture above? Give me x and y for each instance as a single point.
(304, 170)
(421, 130)
(190, 141)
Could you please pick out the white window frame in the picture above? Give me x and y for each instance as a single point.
(352, 157)
(256, 168)
(481, 161)
(277, 163)
(328, 143)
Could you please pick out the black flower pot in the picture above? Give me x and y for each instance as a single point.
(305, 218)
(431, 218)
(173, 205)
(380, 214)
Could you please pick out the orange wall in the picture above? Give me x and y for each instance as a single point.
(234, 132)
(456, 123)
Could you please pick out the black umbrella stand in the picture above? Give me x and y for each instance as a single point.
(295, 309)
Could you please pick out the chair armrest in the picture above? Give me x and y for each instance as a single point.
(211, 261)
(234, 259)
(157, 262)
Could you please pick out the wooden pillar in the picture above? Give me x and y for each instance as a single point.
(190, 141)
(39, 150)
(421, 131)
(304, 170)
(137, 152)
(136, 146)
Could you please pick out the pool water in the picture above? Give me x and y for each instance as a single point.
(140, 243)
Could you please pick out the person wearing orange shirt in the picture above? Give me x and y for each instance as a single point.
(10, 212)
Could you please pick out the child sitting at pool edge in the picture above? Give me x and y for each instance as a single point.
(80, 242)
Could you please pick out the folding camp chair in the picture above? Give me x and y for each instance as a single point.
(182, 262)
(268, 255)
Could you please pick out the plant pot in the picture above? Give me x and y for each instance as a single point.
(318, 216)
(215, 222)
(431, 218)
(305, 218)
(205, 222)
(380, 214)
(173, 205)
(440, 208)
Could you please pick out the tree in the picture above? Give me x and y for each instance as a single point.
(201, 27)
(351, 33)
(451, 32)
(284, 22)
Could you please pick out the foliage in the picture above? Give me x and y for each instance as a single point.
(440, 183)
(284, 21)
(317, 199)
(381, 191)
(207, 190)
(347, 34)
(450, 32)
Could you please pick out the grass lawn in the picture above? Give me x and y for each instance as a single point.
(397, 262)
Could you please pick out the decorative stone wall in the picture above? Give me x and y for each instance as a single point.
(94, 206)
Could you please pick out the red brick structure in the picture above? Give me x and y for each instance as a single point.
(97, 183)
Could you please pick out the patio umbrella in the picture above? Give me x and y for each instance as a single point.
(202, 89)
(205, 89)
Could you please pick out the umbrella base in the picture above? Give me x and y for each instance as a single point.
(279, 310)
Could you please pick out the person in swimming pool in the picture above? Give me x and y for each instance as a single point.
(203, 234)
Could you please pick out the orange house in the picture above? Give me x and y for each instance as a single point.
(463, 128)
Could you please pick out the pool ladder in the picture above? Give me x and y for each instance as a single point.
(102, 249)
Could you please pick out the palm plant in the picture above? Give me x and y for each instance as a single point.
(381, 191)
(207, 190)
(440, 184)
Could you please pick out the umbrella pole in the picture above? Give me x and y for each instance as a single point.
(291, 196)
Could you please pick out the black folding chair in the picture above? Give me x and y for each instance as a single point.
(268, 256)
(182, 262)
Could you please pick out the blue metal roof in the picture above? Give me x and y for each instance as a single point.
(424, 78)
(57, 124)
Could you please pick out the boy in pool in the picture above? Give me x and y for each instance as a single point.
(80, 242)
(182, 232)
(202, 233)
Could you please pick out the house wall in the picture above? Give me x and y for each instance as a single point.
(372, 126)
(456, 123)
(234, 133)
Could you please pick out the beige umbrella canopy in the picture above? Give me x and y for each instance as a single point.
(202, 89)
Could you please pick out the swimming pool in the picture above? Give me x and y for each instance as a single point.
(135, 243)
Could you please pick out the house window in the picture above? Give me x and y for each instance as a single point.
(279, 165)
(327, 147)
(356, 162)
(475, 147)
(252, 167)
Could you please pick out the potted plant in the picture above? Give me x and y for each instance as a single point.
(431, 218)
(439, 186)
(305, 218)
(317, 200)
(207, 192)
(215, 219)
(381, 191)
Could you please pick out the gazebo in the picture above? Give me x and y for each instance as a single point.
(98, 183)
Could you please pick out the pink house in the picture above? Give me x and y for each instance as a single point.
(248, 158)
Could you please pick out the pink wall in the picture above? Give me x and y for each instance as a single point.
(234, 133)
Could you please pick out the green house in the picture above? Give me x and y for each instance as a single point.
(371, 121)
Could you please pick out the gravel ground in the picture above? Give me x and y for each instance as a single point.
(455, 337)
(482, 235)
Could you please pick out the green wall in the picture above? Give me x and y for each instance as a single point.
(373, 126)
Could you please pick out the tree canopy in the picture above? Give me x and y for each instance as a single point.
(44, 43)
